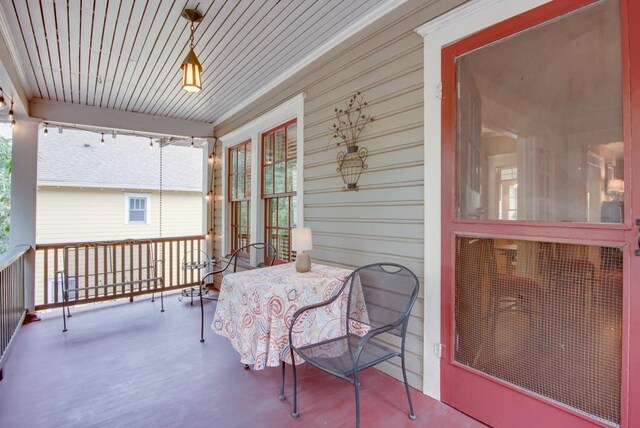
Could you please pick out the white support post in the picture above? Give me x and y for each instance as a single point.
(24, 182)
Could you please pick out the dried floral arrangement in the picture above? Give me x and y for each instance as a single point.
(350, 121)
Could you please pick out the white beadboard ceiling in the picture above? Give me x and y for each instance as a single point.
(126, 54)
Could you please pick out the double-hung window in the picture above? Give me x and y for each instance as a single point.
(262, 181)
(239, 180)
(136, 208)
(279, 186)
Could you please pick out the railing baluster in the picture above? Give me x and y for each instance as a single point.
(45, 268)
(170, 263)
(192, 260)
(87, 249)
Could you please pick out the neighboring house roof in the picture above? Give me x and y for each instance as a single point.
(76, 158)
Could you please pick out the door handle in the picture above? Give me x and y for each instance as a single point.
(638, 238)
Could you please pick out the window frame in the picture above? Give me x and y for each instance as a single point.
(127, 211)
(274, 196)
(292, 109)
(236, 202)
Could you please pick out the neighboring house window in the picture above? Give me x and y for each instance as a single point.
(279, 185)
(240, 194)
(136, 208)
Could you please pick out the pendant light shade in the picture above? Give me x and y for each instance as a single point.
(191, 73)
(191, 67)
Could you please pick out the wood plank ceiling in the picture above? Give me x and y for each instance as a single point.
(126, 54)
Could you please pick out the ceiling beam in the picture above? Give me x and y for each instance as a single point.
(103, 118)
(11, 74)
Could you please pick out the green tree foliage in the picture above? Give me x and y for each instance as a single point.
(5, 192)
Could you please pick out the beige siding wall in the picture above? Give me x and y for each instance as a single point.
(89, 214)
(384, 220)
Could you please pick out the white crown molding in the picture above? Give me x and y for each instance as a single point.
(461, 12)
(364, 21)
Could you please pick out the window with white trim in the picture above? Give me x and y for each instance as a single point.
(273, 195)
(136, 208)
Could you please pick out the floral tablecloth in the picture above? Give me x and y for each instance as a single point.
(255, 308)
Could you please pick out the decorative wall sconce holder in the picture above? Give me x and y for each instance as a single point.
(350, 123)
(351, 163)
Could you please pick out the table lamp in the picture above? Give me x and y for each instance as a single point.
(301, 243)
(616, 188)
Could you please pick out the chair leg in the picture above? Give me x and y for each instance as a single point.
(64, 319)
(281, 396)
(356, 386)
(201, 317)
(295, 413)
(412, 414)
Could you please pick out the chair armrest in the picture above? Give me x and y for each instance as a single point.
(223, 267)
(304, 309)
(375, 332)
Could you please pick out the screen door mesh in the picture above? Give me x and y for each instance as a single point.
(543, 316)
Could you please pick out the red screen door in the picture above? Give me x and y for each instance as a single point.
(540, 200)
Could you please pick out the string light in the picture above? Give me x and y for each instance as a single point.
(45, 131)
(13, 124)
(211, 158)
(113, 134)
(1, 98)
(191, 142)
(209, 195)
(102, 139)
(150, 143)
(11, 115)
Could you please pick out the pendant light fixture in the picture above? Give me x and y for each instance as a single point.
(191, 68)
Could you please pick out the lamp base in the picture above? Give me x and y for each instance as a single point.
(303, 262)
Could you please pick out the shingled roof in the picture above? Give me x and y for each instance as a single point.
(76, 158)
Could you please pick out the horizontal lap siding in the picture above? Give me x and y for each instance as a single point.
(383, 221)
(91, 214)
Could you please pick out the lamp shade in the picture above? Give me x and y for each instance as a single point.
(301, 239)
(616, 185)
(191, 73)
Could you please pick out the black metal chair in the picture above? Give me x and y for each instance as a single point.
(267, 256)
(389, 291)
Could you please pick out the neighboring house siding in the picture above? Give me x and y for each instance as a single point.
(91, 214)
(384, 220)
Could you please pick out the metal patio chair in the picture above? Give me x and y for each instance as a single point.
(389, 292)
(267, 255)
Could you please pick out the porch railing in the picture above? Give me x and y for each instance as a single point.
(12, 303)
(173, 253)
